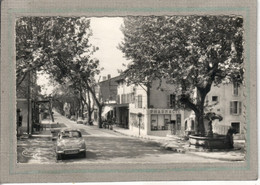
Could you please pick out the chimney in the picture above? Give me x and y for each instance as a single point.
(108, 76)
(104, 78)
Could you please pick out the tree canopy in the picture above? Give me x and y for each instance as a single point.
(191, 52)
(60, 47)
(50, 43)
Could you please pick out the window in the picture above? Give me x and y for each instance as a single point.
(154, 121)
(236, 126)
(192, 125)
(128, 98)
(215, 98)
(235, 89)
(167, 118)
(178, 120)
(235, 107)
(139, 101)
(122, 98)
(132, 98)
(172, 100)
(118, 99)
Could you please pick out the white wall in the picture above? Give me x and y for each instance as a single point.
(225, 95)
(159, 97)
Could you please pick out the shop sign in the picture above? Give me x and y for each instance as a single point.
(161, 111)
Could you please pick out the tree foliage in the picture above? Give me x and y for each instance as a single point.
(191, 52)
(63, 94)
(60, 47)
(48, 43)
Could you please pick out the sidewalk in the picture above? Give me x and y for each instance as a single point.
(177, 144)
(48, 126)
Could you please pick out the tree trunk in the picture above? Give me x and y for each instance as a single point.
(89, 114)
(99, 105)
(201, 93)
(200, 122)
(89, 108)
(82, 110)
(100, 116)
(148, 97)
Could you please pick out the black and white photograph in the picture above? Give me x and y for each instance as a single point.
(148, 89)
(128, 93)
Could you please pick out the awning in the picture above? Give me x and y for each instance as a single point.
(106, 110)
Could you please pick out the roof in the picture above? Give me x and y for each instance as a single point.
(69, 129)
(108, 89)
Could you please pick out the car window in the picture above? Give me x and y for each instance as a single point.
(70, 134)
(74, 134)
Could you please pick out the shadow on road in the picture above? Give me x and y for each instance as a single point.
(109, 148)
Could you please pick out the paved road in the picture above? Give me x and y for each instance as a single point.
(104, 146)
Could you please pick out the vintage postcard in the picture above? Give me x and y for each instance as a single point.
(106, 91)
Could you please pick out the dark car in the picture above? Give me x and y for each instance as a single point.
(70, 142)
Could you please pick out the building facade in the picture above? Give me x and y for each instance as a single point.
(153, 111)
(229, 103)
(149, 111)
(226, 100)
(106, 93)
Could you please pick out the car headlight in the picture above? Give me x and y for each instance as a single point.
(60, 146)
(82, 144)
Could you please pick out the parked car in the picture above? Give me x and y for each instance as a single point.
(70, 142)
(79, 120)
(73, 118)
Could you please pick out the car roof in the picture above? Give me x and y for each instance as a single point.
(69, 130)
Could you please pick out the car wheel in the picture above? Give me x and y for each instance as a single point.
(59, 157)
(84, 154)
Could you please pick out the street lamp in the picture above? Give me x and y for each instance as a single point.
(139, 125)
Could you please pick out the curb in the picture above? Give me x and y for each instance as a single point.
(200, 154)
(163, 145)
(181, 149)
(36, 136)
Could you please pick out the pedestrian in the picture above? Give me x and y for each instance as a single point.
(229, 137)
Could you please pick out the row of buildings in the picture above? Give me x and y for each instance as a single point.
(142, 110)
(153, 111)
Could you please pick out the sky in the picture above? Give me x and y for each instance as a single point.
(106, 36)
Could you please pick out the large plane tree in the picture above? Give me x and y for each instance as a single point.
(60, 47)
(191, 52)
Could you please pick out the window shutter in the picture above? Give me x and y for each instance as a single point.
(132, 98)
(231, 107)
(168, 101)
(240, 107)
(140, 101)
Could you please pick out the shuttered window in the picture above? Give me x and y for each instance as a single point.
(132, 98)
(171, 101)
(118, 99)
(235, 88)
(140, 101)
(235, 107)
(168, 101)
